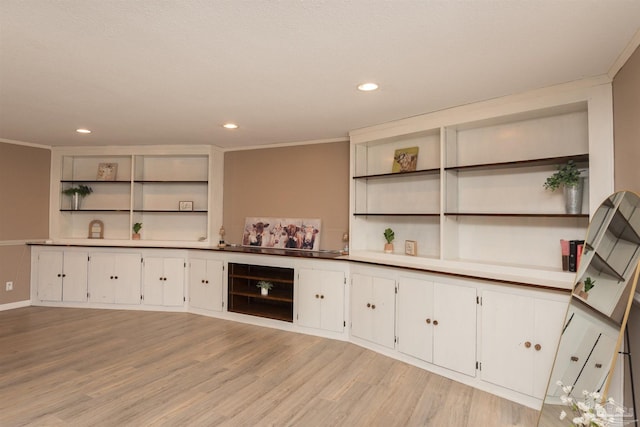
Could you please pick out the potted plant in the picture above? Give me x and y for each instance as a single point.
(264, 287)
(389, 235)
(77, 194)
(136, 231)
(584, 287)
(568, 177)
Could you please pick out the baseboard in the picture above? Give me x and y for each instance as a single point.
(12, 305)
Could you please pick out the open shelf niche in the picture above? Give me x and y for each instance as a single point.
(477, 194)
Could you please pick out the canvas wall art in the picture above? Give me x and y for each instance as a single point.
(283, 233)
(405, 160)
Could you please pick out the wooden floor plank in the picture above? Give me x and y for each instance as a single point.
(82, 367)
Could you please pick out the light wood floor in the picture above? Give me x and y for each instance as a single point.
(82, 367)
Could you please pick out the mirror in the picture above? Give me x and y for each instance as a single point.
(603, 291)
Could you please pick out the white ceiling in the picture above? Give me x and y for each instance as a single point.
(173, 71)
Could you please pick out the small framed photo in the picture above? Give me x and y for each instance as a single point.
(411, 247)
(185, 206)
(107, 172)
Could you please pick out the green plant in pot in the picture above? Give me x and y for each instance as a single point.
(389, 235)
(77, 194)
(265, 287)
(136, 231)
(568, 177)
(584, 287)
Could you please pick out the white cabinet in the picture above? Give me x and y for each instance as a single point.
(62, 276)
(163, 281)
(114, 278)
(520, 335)
(206, 283)
(373, 309)
(320, 299)
(584, 353)
(437, 323)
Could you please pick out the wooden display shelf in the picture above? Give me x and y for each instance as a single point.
(272, 296)
(245, 297)
(395, 214)
(548, 161)
(271, 312)
(524, 215)
(265, 278)
(434, 171)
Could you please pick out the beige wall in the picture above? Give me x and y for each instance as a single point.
(626, 124)
(24, 197)
(304, 181)
(626, 128)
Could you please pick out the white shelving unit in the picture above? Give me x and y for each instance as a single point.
(149, 185)
(477, 194)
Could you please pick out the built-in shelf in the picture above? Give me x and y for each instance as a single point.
(581, 158)
(433, 171)
(169, 211)
(148, 188)
(523, 215)
(95, 210)
(396, 214)
(245, 297)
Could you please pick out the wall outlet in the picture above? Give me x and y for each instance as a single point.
(9, 286)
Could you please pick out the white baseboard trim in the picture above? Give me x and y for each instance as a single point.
(12, 305)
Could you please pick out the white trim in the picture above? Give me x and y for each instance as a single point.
(26, 144)
(288, 144)
(13, 305)
(18, 242)
(624, 55)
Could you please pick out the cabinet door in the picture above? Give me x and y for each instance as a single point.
(454, 327)
(320, 302)
(582, 335)
(50, 276)
(548, 318)
(308, 301)
(205, 284)
(153, 281)
(519, 339)
(361, 313)
(415, 318)
(101, 287)
(332, 300)
(373, 309)
(127, 283)
(74, 282)
(593, 374)
(173, 292)
(506, 328)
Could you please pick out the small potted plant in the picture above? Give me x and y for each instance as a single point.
(568, 177)
(77, 194)
(136, 231)
(584, 287)
(389, 235)
(265, 287)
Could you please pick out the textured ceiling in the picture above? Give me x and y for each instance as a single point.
(171, 72)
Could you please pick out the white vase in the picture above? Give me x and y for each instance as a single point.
(264, 291)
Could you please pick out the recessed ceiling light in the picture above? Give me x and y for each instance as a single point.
(367, 87)
(230, 126)
(83, 131)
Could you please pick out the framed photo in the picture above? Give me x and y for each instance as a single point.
(411, 247)
(107, 172)
(185, 206)
(405, 160)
